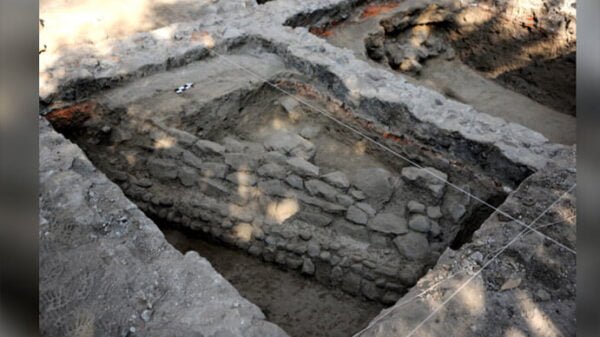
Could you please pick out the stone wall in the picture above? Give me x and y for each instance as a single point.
(528, 289)
(107, 270)
(373, 233)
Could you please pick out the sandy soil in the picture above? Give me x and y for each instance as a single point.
(302, 307)
(67, 22)
(68, 26)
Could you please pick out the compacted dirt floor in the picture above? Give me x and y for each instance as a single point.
(300, 306)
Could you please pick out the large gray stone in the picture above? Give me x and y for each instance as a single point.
(162, 168)
(320, 189)
(289, 103)
(183, 137)
(213, 187)
(415, 207)
(293, 262)
(358, 232)
(376, 183)
(308, 267)
(357, 194)
(214, 170)
(388, 223)
(428, 178)
(434, 212)
(233, 145)
(274, 157)
(370, 290)
(187, 176)
(344, 200)
(351, 283)
(379, 240)
(457, 211)
(357, 215)
(241, 161)
(313, 249)
(272, 170)
(366, 208)
(206, 146)
(435, 229)
(326, 206)
(295, 181)
(303, 167)
(419, 223)
(316, 219)
(253, 149)
(412, 245)
(291, 143)
(337, 179)
(273, 187)
(242, 178)
(310, 132)
(238, 213)
(190, 159)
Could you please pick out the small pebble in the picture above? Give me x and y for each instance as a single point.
(146, 314)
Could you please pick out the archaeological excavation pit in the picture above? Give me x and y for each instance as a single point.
(510, 59)
(242, 171)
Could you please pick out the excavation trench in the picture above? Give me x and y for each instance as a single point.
(514, 60)
(302, 215)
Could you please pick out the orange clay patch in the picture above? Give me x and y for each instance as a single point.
(338, 110)
(376, 9)
(320, 31)
(71, 116)
(394, 138)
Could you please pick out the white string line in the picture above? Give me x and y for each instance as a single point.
(326, 114)
(436, 284)
(542, 226)
(436, 310)
(557, 222)
(410, 300)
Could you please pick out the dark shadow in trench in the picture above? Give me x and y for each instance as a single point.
(297, 304)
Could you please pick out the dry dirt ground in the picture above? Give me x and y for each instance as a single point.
(298, 305)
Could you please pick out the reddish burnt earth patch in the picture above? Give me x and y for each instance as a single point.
(378, 9)
(65, 118)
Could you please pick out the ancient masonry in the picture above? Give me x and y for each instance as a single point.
(380, 228)
(271, 200)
